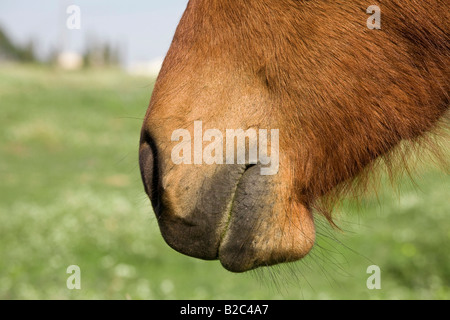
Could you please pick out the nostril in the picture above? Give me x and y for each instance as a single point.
(149, 165)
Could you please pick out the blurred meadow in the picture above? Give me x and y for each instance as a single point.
(70, 194)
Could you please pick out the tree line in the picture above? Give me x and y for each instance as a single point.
(96, 54)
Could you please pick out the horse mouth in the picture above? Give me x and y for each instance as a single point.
(233, 214)
(245, 215)
(231, 206)
(222, 206)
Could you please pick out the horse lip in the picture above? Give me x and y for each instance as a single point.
(197, 230)
(230, 207)
(253, 201)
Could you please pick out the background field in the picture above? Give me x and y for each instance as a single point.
(70, 194)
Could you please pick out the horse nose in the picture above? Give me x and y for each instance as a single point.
(150, 171)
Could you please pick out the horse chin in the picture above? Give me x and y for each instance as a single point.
(239, 217)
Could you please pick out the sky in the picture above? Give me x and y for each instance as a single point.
(142, 28)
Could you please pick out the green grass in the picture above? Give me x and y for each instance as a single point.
(70, 194)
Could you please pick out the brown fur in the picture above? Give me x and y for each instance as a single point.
(349, 94)
(344, 97)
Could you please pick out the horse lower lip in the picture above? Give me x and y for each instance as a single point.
(249, 206)
(230, 210)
